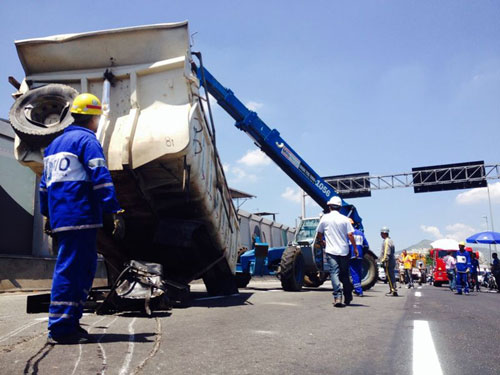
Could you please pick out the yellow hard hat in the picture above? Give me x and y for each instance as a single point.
(86, 104)
(462, 243)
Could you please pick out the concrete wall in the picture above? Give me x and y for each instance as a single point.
(29, 273)
(251, 226)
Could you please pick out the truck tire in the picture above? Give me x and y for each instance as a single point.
(314, 280)
(370, 271)
(437, 284)
(41, 114)
(291, 270)
(242, 279)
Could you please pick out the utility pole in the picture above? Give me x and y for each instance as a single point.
(487, 228)
(303, 202)
(491, 216)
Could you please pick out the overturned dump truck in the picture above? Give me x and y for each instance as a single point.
(159, 145)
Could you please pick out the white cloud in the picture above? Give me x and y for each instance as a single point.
(458, 231)
(236, 174)
(292, 195)
(479, 195)
(295, 195)
(432, 230)
(254, 106)
(255, 158)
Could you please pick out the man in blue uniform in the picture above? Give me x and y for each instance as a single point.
(75, 189)
(474, 272)
(463, 268)
(356, 261)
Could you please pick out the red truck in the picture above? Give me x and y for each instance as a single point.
(439, 273)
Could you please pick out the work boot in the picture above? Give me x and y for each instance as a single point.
(81, 330)
(71, 339)
(337, 302)
(347, 300)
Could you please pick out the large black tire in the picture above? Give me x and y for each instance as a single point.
(242, 279)
(41, 114)
(314, 280)
(291, 271)
(219, 280)
(370, 271)
(437, 284)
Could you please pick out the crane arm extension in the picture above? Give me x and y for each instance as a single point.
(275, 147)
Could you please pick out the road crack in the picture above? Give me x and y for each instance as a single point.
(155, 349)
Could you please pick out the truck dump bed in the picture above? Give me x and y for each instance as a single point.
(159, 147)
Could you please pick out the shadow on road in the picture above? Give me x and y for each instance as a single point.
(142, 314)
(121, 337)
(202, 299)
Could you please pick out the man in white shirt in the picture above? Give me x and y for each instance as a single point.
(335, 229)
(451, 269)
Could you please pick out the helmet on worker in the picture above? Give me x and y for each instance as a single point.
(335, 201)
(86, 104)
(461, 244)
(384, 230)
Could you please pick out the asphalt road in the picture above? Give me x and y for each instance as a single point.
(264, 330)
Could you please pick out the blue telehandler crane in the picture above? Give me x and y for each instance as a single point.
(301, 262)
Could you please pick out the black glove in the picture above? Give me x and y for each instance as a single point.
(118, 225)
(47, 229)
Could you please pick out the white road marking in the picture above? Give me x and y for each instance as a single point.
(418, 294)
(78, 360)
(281, 303)
(419, 287)
(80, 347)
(425, 359)
(17, 330)
(130, 350)
(260, 332)
(103, 352)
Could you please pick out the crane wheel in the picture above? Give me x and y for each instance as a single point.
(291, 269)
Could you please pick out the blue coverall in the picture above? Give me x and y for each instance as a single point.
(75, 189)
(463, 265)
(356, 263)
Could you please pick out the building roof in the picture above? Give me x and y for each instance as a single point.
(237, 194)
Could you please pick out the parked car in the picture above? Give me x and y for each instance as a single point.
(382, 275)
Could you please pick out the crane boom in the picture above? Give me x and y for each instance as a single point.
(274, 146)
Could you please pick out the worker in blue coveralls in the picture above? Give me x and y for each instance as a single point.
(356, 261)
(75, 189)
(463, 268)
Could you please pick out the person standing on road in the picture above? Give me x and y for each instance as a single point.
(388, 260)
(408, 263)
(423, 273)
(463, 268)
(334, 228)
(401, 268)
(75, 188)
(356, 261)
(451, 266)
(474, 272)
(495, 270)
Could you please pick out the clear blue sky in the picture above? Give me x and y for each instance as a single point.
(372, 86)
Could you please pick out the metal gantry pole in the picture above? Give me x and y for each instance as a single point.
(491, 216)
